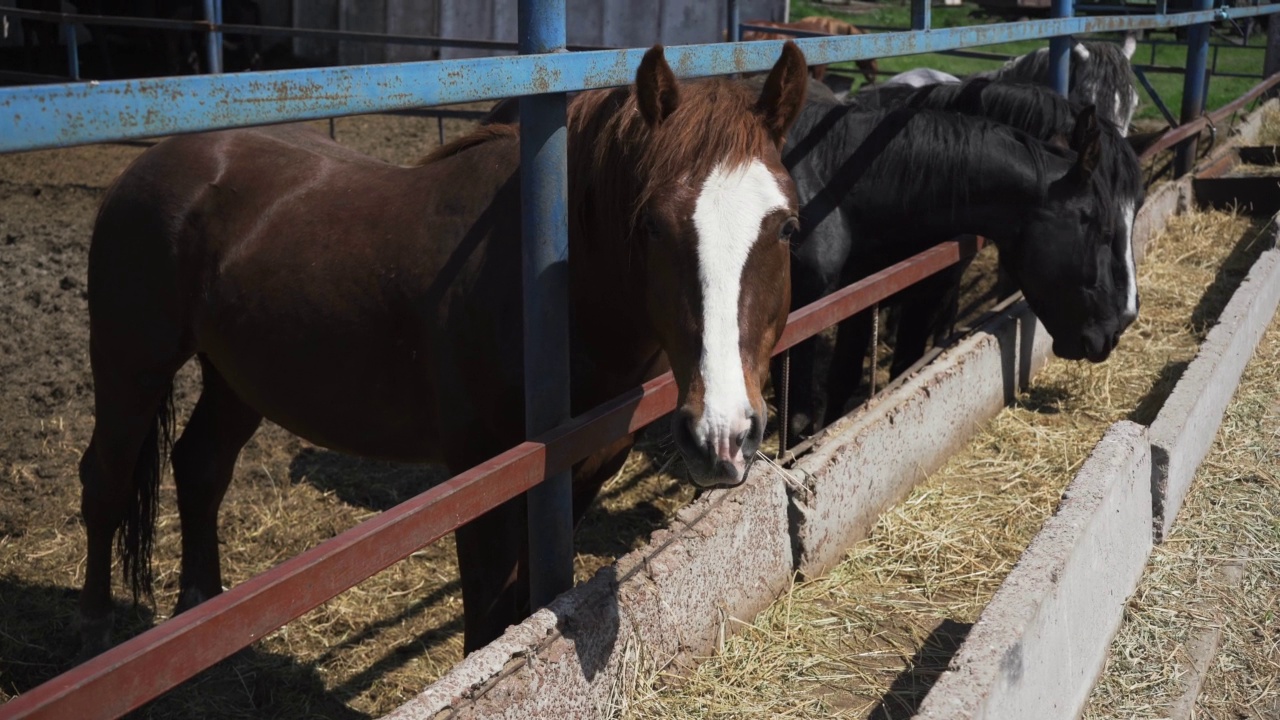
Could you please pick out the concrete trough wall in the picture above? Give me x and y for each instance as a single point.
(866, 463)
(1040, 644)
(1185, 428)
(732, 552)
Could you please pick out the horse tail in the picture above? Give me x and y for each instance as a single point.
(136, 536)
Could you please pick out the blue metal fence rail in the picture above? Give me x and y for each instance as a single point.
(70, 114)
(46, 116)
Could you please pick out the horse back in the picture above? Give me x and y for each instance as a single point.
(367, 307)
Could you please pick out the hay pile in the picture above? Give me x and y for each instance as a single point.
(869, 638)
(1270, 132)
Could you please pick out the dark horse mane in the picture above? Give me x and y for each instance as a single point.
(921, 157)
(479, 136)
(1036, 110)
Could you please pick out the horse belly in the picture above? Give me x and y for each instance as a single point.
(352, 385)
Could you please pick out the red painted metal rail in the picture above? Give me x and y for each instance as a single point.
(150, 664)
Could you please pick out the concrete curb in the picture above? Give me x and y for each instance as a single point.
(1039, 645)
(1187, 423)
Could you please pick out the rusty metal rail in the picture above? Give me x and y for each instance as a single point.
(1193, 128)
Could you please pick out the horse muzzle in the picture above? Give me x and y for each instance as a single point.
(717, 457)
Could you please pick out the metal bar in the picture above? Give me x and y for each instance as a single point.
(1271, 60)
(1155, 96)
(1192, 128)
(544, 191)
(213, 38)
(844, 303)
(148, 665)
(1193, 87)
(792, 32)
(73, 50)
(921, 14)
(734, 18)
(269, 30)
(62, 115)
(1060, 50)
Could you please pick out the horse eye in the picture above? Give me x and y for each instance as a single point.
(789, 228)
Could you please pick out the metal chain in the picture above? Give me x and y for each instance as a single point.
(784, 419)
(875, 346)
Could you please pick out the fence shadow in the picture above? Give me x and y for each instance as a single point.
(39, 640)
(903, 699)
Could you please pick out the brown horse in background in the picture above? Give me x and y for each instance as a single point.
(376, 309)
(818, 24)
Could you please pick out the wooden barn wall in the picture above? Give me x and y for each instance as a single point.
(612, 23)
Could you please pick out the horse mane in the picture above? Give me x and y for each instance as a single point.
(615, 158)
(1034, 109)
(479, 136)
(913, 157)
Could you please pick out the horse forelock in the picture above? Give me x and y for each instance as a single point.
(618, 158)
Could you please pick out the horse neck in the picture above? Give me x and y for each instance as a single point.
(606, 269)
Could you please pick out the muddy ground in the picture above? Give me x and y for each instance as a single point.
(360, 655)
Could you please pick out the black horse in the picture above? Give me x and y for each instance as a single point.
(879, 186)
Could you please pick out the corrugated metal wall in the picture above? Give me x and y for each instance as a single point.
(613, 23)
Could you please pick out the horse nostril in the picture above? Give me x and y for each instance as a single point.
(742, 437)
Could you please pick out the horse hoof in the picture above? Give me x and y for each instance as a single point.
(188, 598)
(800, 428)
(95, 636)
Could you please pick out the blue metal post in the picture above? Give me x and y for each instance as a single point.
(73, 50)
(544, 190)
(735, 21)
(1060, 50)
(921, 14)
(213, 38)
(1193, 87)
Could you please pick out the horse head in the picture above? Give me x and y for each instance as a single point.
(1075, 262)
(712, 227)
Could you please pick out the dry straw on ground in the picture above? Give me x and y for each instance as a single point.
(869, 638)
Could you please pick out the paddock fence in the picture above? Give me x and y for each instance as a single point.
(60, 115)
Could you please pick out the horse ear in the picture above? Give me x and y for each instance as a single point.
(784, 91)
(657, 91)
(1130, 44)
(1086, 140)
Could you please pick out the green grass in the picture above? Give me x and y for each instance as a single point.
(897, 13)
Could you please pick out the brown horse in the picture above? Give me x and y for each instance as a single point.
(816, 24)
(376, 309)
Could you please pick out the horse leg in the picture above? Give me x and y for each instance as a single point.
(492, 560)
(928, 309)
(120, 478)
(493, 552)
(844, 376)
(203, 461)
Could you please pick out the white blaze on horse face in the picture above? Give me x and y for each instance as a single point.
(1130, 267)
(732, 204)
